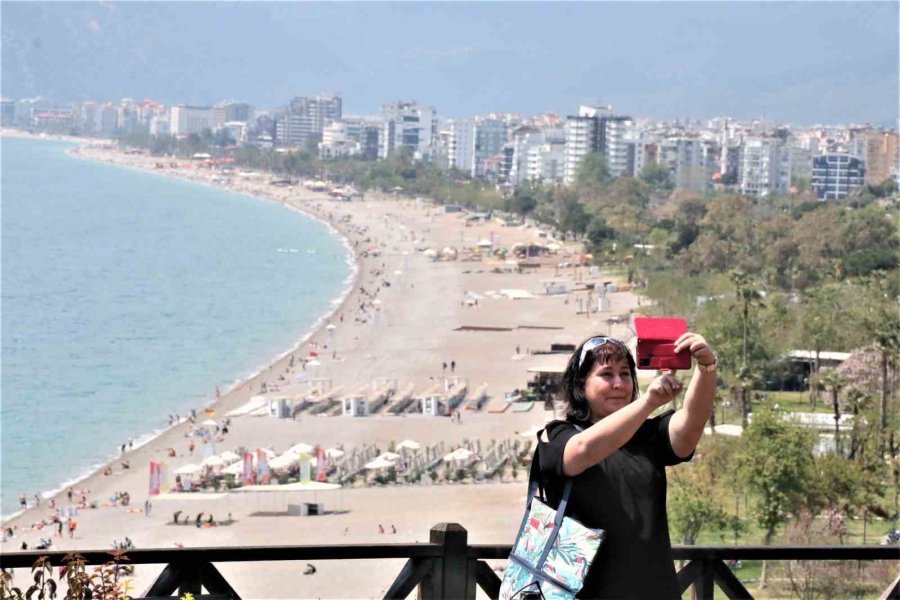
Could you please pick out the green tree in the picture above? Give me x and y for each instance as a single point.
(522, 204)
(657, 176)
(572, 217)
(776, 464)
(593, 170)
(598, 232)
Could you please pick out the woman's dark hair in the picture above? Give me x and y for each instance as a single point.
(575, 376)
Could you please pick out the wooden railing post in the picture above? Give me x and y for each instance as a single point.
(449, 577)
(703, 584)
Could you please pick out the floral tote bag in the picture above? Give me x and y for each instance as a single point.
(552, 552)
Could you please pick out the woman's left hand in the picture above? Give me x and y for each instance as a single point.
(698, 347)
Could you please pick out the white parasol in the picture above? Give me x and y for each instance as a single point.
(188, 469)
(391, 456)
(285, 461)
(334, 453)
(229, 457)
(300, 448)
(408, 445)
(213, 461)
(379, 463)
(459, 455)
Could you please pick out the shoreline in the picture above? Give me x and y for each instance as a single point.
(412, 320)
(336, 304)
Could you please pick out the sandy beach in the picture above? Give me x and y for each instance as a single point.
(404, 318)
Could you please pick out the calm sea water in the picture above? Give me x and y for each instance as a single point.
(127, 296)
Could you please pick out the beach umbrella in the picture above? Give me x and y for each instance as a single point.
(313, 363)
(229, 457)
(379, 463)
(236, 469)
(408, 445)
(458, 455)
(300, 448)
(388, 456)
(285, 461)
(330, 327)
(209, 423)
(268, 452)
(334, 453)
(188, 469)
(213, 461)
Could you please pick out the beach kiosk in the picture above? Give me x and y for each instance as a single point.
(547, 372)
(433, 402)
(355, 406)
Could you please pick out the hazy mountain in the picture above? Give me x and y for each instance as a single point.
(801, 62)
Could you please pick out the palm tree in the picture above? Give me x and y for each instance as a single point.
(833, 380)
(748, 296)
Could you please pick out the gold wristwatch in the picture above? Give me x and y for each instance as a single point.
(710, 368)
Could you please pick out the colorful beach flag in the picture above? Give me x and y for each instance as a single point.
(155, 477)
(262, 467)
(321, 464)
(248, 478)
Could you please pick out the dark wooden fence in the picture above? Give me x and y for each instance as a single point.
(446, 567)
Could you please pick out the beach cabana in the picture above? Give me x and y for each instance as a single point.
(391, 456)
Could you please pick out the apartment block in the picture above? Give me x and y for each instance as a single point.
(836, 176)
(410, 125)
(597, 129)
(882, 154)
(765, 167)
(185, 120)
(306, 117)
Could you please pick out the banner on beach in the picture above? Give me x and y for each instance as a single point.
(155, 477)
(247, 477)
(305, 460)
(321, 464)
(262, 467)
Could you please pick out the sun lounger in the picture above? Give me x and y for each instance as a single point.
(477, 398)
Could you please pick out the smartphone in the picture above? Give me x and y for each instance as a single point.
(656, 344)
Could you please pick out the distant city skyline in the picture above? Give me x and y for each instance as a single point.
(793, 62)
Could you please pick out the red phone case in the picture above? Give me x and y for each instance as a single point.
(655, 343)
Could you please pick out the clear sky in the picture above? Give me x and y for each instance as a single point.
(798, 62)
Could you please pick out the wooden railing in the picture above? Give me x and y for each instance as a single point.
(446, 567)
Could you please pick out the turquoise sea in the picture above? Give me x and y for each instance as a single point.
(128, 296)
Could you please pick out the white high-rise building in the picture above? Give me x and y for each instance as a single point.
(185, 120)
(471, 143)
(764, 167)
(411, 125)
(306, 117)
(596, 129)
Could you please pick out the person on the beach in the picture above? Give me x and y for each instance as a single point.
(616, 456)
(22, 501)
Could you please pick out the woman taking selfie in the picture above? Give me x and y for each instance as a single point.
(616, 456)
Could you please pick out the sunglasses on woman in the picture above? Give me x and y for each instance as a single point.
(593, 344)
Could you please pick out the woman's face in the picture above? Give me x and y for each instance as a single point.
(608, 388)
